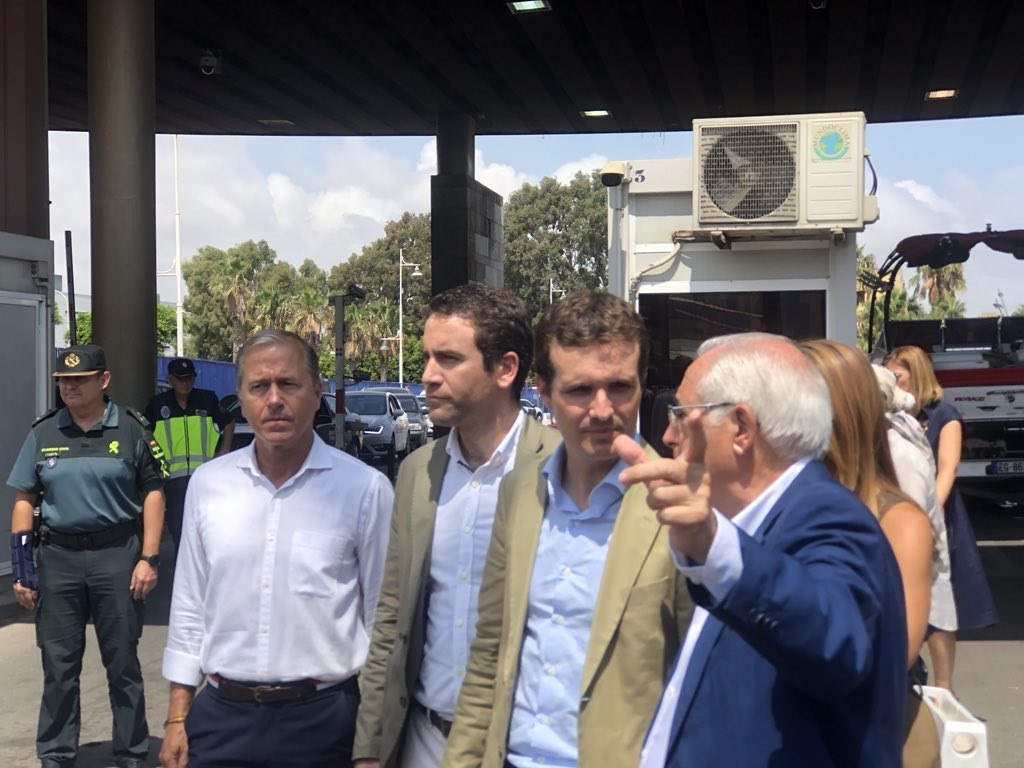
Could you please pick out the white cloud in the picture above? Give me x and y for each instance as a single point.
(567, 172)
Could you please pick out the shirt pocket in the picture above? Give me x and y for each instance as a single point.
(319, 563)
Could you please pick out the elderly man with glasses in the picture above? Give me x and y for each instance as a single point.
(796, 654)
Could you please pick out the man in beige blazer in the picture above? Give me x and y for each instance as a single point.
(478, 347)
(581, 609)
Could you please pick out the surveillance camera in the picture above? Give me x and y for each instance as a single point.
(209, 63)
(614, 173)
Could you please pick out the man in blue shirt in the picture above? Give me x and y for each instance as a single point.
(581, 608)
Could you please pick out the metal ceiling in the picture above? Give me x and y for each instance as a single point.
(388, 67)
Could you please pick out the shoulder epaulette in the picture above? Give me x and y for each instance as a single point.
(137, 416)
(45, 416)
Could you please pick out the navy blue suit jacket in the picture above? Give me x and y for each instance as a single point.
(804, 662)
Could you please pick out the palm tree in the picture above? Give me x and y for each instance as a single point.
(935, 285)
(309, 315)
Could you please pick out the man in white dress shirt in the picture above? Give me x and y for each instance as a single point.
(276, 583)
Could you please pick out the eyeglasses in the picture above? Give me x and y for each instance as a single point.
(676, 413)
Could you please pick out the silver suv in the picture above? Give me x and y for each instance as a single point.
(387, 425)
(411, 406)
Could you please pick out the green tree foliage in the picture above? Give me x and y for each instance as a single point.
(1019, 311)
(166, 327)
(235, 293)
(556, 233)
(375, 270)
(83, 329)
(939, 285)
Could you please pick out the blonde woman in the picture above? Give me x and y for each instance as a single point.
(975, 607)
(858, 456)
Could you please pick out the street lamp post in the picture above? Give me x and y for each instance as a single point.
(402, 264)
(353, 293)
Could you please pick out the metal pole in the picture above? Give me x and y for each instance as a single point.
(179, 308)
(401, 301)
(72, 315)
(339, 371)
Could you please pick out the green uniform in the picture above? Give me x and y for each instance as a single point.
(91, 486)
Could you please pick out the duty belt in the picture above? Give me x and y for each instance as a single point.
(115, 534)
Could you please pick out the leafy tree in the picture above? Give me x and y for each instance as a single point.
(936, 285)
(58, 317)
(375, 270)
(1019, 311)
(947, 306)
(207, 325)
(83, 327)
(556, 232)
(166, 327)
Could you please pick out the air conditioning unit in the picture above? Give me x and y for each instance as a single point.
(782, 174)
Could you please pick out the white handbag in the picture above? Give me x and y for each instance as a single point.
(963, 740)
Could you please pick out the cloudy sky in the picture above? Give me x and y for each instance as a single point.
(325, 198)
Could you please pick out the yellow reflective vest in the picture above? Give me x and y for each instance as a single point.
(188, 442)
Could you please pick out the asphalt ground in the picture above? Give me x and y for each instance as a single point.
(989, 675)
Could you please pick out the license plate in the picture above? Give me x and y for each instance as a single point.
(1007, 468)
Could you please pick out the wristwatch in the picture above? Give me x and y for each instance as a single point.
(153, 560)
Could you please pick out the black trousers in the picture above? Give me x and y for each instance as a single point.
(74, 587)
(174, 497)
(312, 733)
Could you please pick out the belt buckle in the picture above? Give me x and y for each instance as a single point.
(268, 691)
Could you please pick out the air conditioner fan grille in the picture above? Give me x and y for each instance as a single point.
(748, 173)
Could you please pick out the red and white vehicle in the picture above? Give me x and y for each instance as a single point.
(978, 361)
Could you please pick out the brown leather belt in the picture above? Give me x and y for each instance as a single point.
(270, 693)
(439, 721)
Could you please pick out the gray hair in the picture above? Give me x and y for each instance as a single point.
(276, 337)
(787, 394)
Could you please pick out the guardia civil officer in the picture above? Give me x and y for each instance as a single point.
(96, 474)
(187, 423)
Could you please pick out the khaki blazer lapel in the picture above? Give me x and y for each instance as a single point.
(635, 532)
(426, 490)
(524, 507)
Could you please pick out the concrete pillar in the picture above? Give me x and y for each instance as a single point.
(465, 217)
(456, 149)
(24, 171)
(122, 177)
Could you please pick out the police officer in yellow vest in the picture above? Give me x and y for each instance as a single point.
(192, 428)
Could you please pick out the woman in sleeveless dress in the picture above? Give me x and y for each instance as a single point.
(975, 607)
(858, 457)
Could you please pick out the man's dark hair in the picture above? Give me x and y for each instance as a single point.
(500, 321)
(585, 318)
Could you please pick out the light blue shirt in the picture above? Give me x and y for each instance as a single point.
(462, 534)
(567, 571)
(719, 574)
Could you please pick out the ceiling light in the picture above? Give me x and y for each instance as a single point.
(596, 113)
(529, 6)
(939, 95)
(275, 121)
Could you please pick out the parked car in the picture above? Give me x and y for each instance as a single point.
(411, 406)
(323, 425)
(354, 426)
(531, 409)
(387, 425)
(425, 410)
